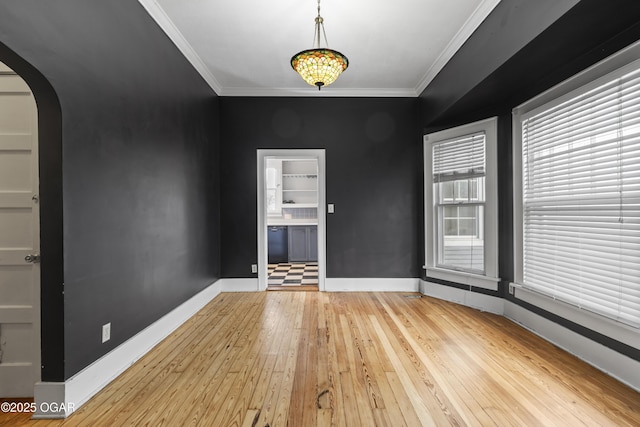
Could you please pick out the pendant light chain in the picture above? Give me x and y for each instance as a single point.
(324, 32)
(319, 66)
(316, 33)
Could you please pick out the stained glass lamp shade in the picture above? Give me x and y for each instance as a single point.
(320, 66)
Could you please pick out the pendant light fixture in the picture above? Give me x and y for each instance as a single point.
(319, 66)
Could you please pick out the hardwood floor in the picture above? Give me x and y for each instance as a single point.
(353, 359)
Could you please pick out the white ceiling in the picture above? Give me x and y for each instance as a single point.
(243, 47)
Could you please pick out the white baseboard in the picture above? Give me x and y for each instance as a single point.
(371, 285)
(617, 365)
(239, 285)
(66, 397)
(475, 300)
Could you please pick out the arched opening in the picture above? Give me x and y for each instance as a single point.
(51, 215)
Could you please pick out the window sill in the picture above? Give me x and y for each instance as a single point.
(464, 278)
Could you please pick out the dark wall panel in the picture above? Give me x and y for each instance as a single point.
(140, 165)
(374, 178)
(505, 202)
(586, 34)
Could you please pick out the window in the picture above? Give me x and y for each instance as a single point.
(579, 211)
(460, 204)
(458, 188)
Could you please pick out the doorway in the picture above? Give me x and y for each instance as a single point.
(291, 219)
(19, 238)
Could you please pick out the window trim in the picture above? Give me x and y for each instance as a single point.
(616, 64)
(488, 280)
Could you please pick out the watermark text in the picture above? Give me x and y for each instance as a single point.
(31, 407)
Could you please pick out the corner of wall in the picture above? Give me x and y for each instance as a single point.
(464, 297)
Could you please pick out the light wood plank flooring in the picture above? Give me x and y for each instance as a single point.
(353, 359)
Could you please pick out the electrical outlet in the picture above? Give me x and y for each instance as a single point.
(330, 208)
(106, 332)
(254, 268)
(512, 289)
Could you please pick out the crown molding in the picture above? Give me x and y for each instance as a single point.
(326, 92)
(166, 24)
(474, 21)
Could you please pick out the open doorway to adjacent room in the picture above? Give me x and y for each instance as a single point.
(291, 219)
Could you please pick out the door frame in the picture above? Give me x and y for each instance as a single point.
(318, 154)
(52, 319)
(23, 88)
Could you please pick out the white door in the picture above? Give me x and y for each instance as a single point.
(19, 238)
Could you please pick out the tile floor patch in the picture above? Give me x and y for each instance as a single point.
(292, 274)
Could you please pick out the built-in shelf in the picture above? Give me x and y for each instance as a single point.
(299, 205)
(299, 175)
(296, 181)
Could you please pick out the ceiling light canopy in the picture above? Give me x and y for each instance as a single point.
(319, 66)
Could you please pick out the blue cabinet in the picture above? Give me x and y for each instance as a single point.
(303, 243)
(277, 244)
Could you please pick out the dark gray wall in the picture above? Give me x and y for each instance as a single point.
(509, 27)
(522, 49)
(374, 178)
(139, 141)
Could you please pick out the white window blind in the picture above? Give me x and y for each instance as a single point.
(459, 157)
(581, 199)
(458, 180)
